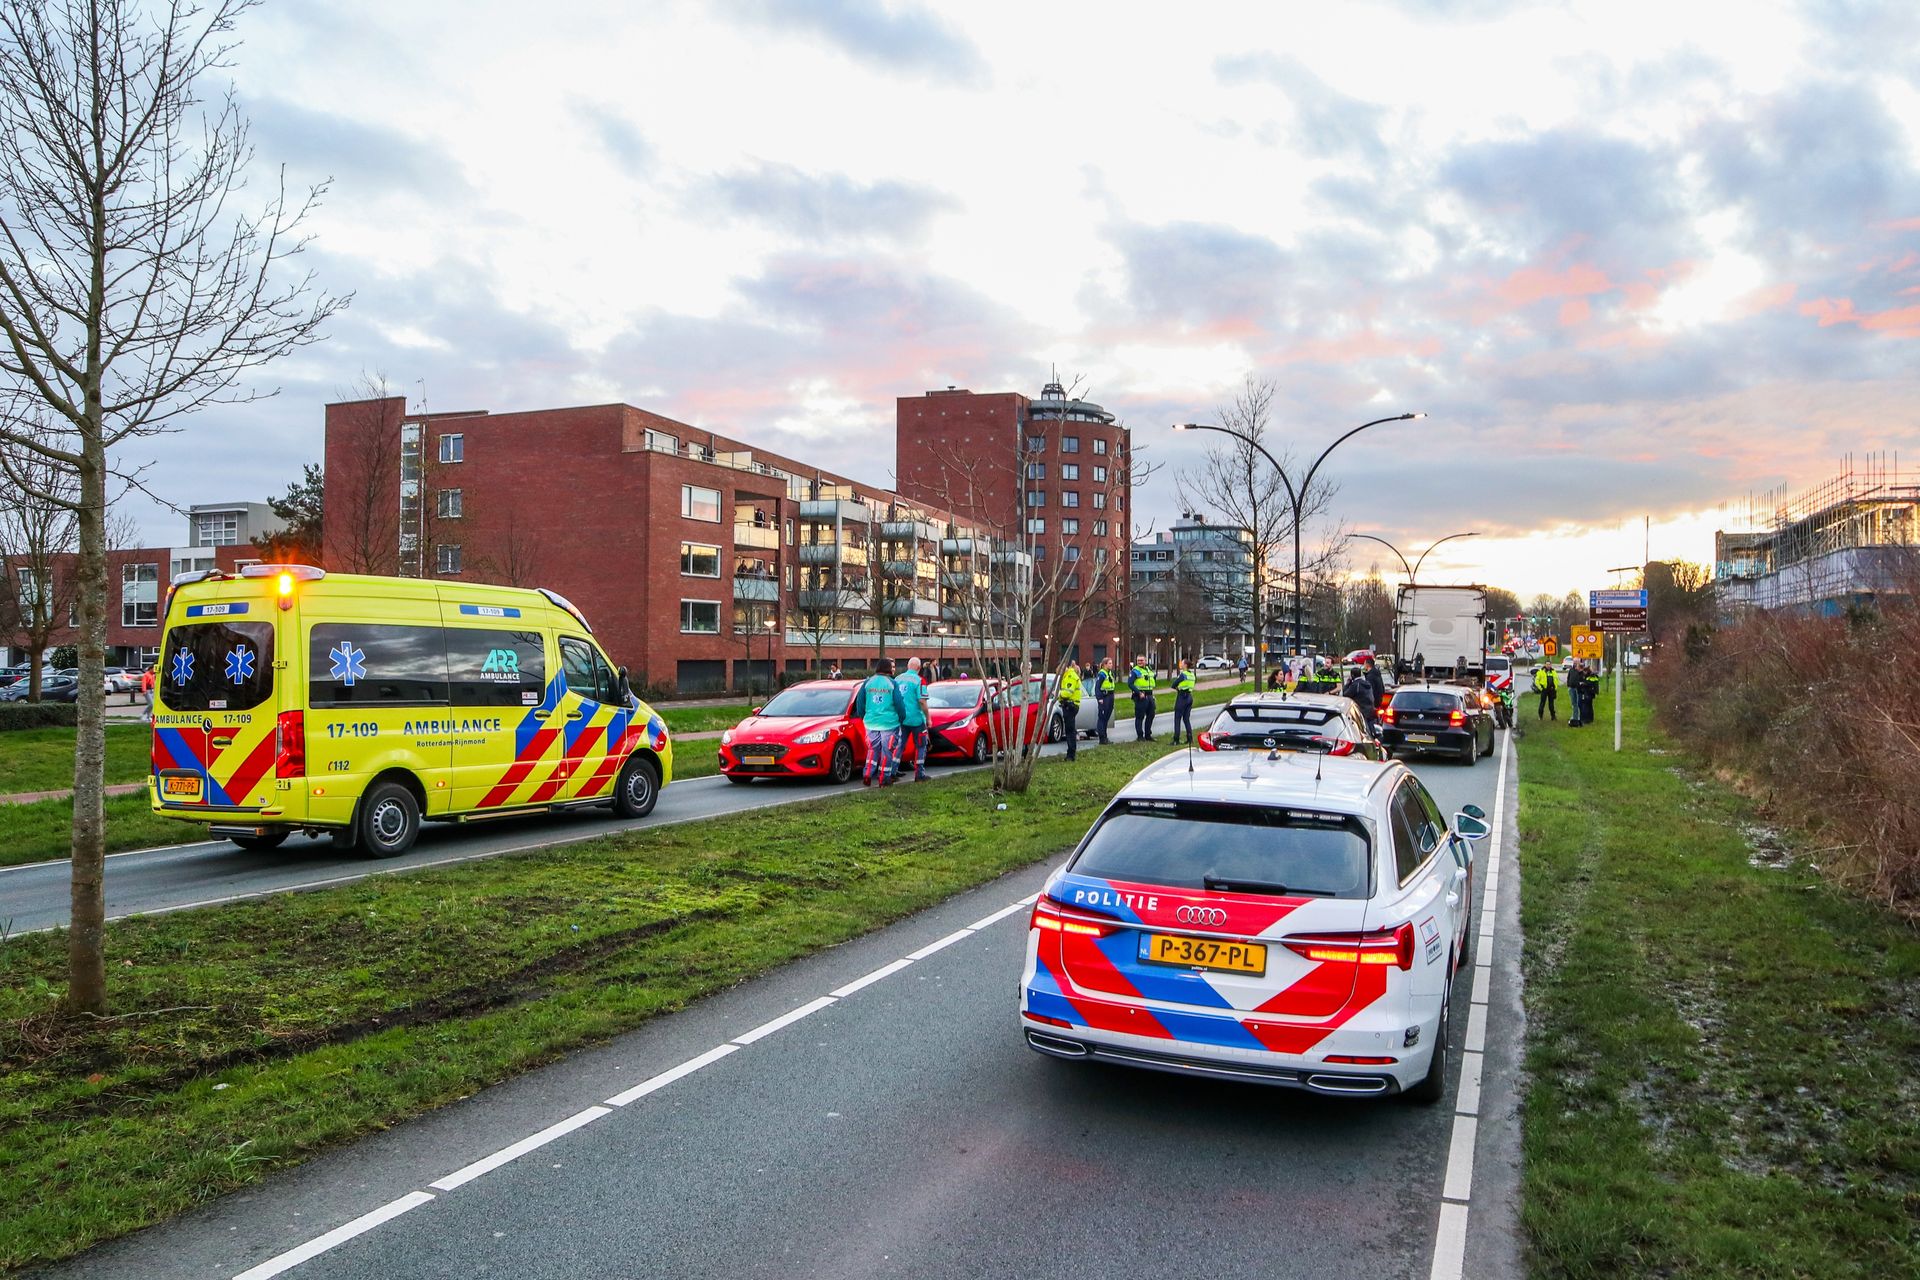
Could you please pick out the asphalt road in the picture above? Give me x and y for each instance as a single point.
(872, 1111)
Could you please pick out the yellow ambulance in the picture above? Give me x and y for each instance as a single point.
(293, 699)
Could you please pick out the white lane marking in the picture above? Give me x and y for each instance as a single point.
(1450, 1247)
(884, 971)
(932, 947)
(1459, 1184)
(506, 1155)
(1450, 1235)
(667, 1077)
(786, 1019)
(1467, 1100)
(339, 1235)
(996, 917)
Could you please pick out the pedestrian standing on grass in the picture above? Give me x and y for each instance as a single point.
(1576, 684)
(913, 720)
(1104, 684)
(880, 711)
(1070, 690)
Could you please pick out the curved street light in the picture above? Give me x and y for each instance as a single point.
(1294, 495)
(1471, 533)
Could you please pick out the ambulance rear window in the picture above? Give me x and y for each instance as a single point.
(217, 666)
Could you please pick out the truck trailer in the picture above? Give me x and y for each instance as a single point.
(1440, 633)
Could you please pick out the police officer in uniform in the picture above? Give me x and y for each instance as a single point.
(1104, 683)
(1183, 682)
(1140, 679)
(1069, 697)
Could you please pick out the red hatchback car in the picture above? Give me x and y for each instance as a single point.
(956, 715)
(807, 731)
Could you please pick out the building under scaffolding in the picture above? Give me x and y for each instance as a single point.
(1837, 546)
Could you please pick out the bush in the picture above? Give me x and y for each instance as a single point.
(1823, 715)
(37, 715)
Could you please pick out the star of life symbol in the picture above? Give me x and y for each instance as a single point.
(349, 663)
(240, 665)
(182, 667)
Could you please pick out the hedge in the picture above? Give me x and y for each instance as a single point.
(37, 715)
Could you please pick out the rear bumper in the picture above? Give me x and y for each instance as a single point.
(1451, 741)
(1333, 1081)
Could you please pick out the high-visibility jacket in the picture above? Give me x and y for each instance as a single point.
(1183, 682)
(1140, 679)
(1543, 680)
(1070, 686)
(1103, 682)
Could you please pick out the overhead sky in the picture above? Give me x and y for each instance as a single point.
(1634, 259)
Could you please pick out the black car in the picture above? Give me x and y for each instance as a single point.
(1291, 722)
(52, 689)
(1437, 718)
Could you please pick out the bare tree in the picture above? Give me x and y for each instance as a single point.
(38, 533)
(1237, 480)
(363, 464)
(510, 551)
(131, 293)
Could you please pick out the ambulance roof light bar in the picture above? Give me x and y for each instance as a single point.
(303, 572)
(566, 604)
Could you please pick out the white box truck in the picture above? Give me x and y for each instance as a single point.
(1440, 633)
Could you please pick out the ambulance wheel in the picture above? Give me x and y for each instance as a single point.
(1434, 1083)
(389, 820)
(260, 843)
(842, 766)
(637, 790)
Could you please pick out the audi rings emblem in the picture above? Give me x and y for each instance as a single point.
(1200, 915)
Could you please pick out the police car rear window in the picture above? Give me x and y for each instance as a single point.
(217, 666)
(1228, 847)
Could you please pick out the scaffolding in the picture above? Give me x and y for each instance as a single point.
(1840, 543)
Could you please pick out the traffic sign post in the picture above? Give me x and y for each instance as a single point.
(1617, 612)
(1587, 643)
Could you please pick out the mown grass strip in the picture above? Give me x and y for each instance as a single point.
(42, 759)
(252, 1035)
(1721, 1046)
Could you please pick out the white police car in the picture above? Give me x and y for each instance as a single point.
(1288, 919)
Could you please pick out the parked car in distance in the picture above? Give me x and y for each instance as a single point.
(809, 730)
(1291, 722)
(52, 689)
(1212, 662)
(1289, 921)
(1437, 718)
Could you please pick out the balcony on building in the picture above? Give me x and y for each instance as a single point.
(953, 581)
(756, 586)
(911, 607)
(963, 546)
(821, 599)
(832, 553)
(909, 529)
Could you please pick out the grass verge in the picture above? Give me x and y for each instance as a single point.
(1720, 1045)
(42, 759)
(42, 830)
(251, 1035)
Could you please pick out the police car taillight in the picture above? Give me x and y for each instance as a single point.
(1394, 947)
(1048, 915)
(290, 760)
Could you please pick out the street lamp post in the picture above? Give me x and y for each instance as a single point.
(1413, 572)
(941, 661)
(771, 624)
(1294, 495)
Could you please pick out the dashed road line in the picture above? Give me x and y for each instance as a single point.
(339, 1235)
(507, 1155)
(667, 1077)
(786, 1019)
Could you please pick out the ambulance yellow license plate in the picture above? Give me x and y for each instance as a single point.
(175, 787)
(1204, 953)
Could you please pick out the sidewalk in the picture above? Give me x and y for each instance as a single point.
(34, 797)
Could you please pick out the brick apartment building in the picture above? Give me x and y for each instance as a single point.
(701, 561)
(1053, 471)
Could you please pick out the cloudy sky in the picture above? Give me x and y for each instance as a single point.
(1635, 260)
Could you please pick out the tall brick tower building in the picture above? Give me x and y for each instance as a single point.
(1055, 467)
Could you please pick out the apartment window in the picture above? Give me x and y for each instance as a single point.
(661, 442)
(1070, 498)
(698, 560)
(789, 532)
(1069, 471)
(1099, 555)
(1037, 524)
(450, 503)
(1070, 525)
(1073, 582)
(1099, 445)
(1036, 444)
(1099, 502)
(1071, 552)
(700, 617)
(1036, 471)
(1036, 498)
(1099, 475)
(447, 557)
(1040, 554)
(697, 503)
(218, 528)
(1099, 528)
(453, 448)
(139, 595)
(1069, 444)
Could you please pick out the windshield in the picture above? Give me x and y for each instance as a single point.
(1499, 664)
(809, 702)
(1237, 848)
(1425, 700)
(951, 696)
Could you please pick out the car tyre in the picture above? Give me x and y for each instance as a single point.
(842, 766)
(388, 821)
(638, 789)
(260, 843)
(982, 749)
(1473, 749)
(1056, 729)
(1433, 1085)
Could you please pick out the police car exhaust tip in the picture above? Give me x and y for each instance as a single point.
(1056, 1045)
(1346, 1084)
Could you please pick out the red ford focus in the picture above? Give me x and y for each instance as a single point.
(808, 731)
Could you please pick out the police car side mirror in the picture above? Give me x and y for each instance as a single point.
(1473, 811)
(1465, 824)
